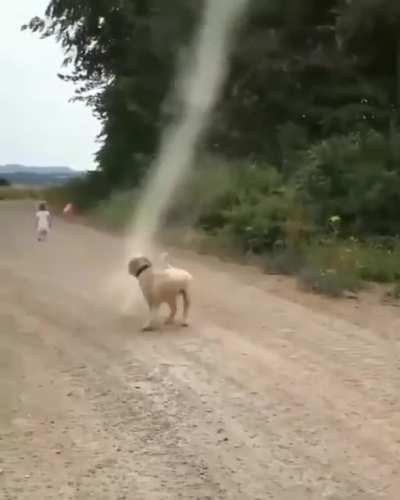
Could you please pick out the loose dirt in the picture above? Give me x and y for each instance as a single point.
(270, 394)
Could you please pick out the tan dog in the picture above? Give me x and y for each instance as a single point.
(161, 286)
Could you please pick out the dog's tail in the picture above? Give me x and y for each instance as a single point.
(164, 257)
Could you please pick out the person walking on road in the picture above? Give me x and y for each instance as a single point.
(68, 212)
(43, 221)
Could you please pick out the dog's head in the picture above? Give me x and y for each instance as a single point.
(138, 265)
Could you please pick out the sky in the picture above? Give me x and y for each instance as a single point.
(38, 126)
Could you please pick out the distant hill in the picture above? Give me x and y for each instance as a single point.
(37, 176)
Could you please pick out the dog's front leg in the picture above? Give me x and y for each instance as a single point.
(151, 324)
(186, 307)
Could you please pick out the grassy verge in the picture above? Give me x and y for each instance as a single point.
(251, 215)
(16, 193)
(331, 267)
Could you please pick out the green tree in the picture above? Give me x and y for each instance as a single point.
(4, 182)
(303, 72)
(121, 54)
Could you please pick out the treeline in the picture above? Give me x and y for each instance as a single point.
(311, 101)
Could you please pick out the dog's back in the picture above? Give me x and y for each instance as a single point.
(171, 281)
(174, 276)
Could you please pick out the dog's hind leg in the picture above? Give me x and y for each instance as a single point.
(186, 307)
(173, 308)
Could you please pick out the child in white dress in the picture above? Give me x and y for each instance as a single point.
(43, 221)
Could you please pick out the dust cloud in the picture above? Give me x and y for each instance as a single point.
(197, 87)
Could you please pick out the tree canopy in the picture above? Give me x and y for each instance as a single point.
(322, 67)
(303, 72)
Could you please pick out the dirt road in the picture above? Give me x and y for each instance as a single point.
(261, 398)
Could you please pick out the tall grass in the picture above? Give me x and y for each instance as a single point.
(346, 265)
(116, 212)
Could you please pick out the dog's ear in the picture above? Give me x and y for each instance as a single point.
(145, 262)
(137, 263)
(132, 267)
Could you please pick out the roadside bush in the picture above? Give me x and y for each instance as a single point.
(356, 177)
(287, 262)
(115, 212)
(377, 264)
(255, 210)
(202, 197)
(84, 192)
(395, 292)
(332, 282)
(330, 269)
(245, 211)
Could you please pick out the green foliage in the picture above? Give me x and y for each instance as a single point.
(303, 71)
(202, 197)
(395, 292)
(356, 177)
(335, 266)
(115, 213)
(254, 208)
(240, 210)
(121, 57)
(314, 90)
(377, 264)
(289, 261)
(331, 268)
(83, 192)
(331, 282)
